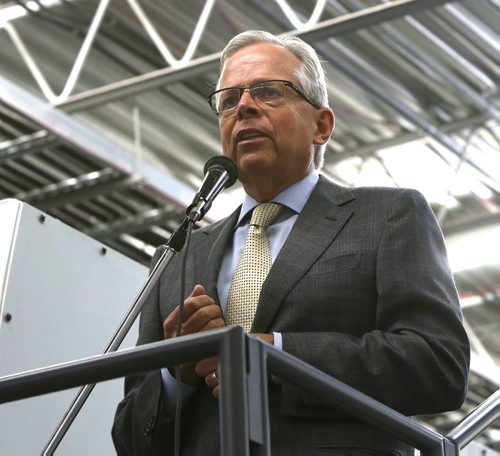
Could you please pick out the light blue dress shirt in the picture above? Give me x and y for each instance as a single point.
(293, 199)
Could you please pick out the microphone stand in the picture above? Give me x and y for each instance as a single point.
(171, 248)
(220, 173)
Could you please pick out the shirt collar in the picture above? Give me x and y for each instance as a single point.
(293, 197)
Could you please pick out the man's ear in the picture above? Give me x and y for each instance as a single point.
(325, 122)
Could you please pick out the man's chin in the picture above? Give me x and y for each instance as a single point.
(254, 162)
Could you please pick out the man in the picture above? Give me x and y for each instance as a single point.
(359, 285)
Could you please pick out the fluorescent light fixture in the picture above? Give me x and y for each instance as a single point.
(226, 203)
(12, 11)
(485, 368)
(474, 249)
(373, 174)
(470, 301)
(416, 166)
(138, 244)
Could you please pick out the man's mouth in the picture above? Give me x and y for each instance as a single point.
(248, 135)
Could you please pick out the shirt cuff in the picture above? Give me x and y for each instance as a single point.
(171, 388)
(278, 341)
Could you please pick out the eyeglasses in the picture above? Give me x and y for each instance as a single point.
(271, 93)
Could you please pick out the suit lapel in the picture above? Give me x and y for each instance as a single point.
(322, 218)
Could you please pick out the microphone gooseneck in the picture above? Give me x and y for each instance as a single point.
(220, 172)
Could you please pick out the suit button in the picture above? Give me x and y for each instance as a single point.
(149, 425)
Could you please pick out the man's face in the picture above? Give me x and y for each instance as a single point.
(275, 142)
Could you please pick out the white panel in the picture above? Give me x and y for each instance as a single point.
(65, 298)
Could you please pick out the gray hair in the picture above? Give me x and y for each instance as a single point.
(310, 73)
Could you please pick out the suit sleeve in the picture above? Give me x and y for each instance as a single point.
(415, 357)
(142, 424)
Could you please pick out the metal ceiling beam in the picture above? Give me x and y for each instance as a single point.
(79, 190)
(366, 17)
(70, 131)
(138, 84)
(51, 192)
(364, 80)
(367, 150)
(438, 69)
(132, 223)
(323, 30)
(24, 144)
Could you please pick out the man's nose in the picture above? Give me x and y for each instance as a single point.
(247, 104)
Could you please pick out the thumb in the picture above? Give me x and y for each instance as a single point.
(198, 290)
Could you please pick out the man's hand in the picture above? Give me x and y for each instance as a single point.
(208, 368)
(269, 338)
(201, 313)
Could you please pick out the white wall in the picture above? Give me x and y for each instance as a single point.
(65, 298)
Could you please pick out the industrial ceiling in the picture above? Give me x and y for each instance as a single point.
(104, 122)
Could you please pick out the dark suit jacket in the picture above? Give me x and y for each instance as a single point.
(362, 290)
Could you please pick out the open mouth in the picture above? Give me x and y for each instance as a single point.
(248, 136)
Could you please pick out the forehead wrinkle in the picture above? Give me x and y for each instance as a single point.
(260, 62)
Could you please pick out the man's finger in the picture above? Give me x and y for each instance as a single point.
(207, 317)
(206, 366)
(194, 301)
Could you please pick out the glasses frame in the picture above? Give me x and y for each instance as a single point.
(249, 88)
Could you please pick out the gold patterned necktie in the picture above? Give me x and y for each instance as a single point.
(252, 269)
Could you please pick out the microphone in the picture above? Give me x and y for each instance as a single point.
(220, 172)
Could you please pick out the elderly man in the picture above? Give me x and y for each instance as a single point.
(353, 281)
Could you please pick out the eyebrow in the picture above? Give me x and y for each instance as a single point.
(256, 81)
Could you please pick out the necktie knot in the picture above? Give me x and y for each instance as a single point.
(264, 214)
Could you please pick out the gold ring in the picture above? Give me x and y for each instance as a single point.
(214, 377)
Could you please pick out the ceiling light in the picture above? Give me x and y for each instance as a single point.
(416, 166)
(485, 368)
(474, 249)
(12, 11)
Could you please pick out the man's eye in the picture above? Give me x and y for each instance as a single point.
(228, 101)
(267, 93)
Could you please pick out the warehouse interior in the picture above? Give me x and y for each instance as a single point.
(104, 122)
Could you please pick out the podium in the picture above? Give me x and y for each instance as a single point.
(62, 295)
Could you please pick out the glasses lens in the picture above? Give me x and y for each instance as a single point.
(225, 99)
(269, 92)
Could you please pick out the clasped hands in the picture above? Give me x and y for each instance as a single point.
(201, 313)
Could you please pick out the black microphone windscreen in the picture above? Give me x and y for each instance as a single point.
(227, 164)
